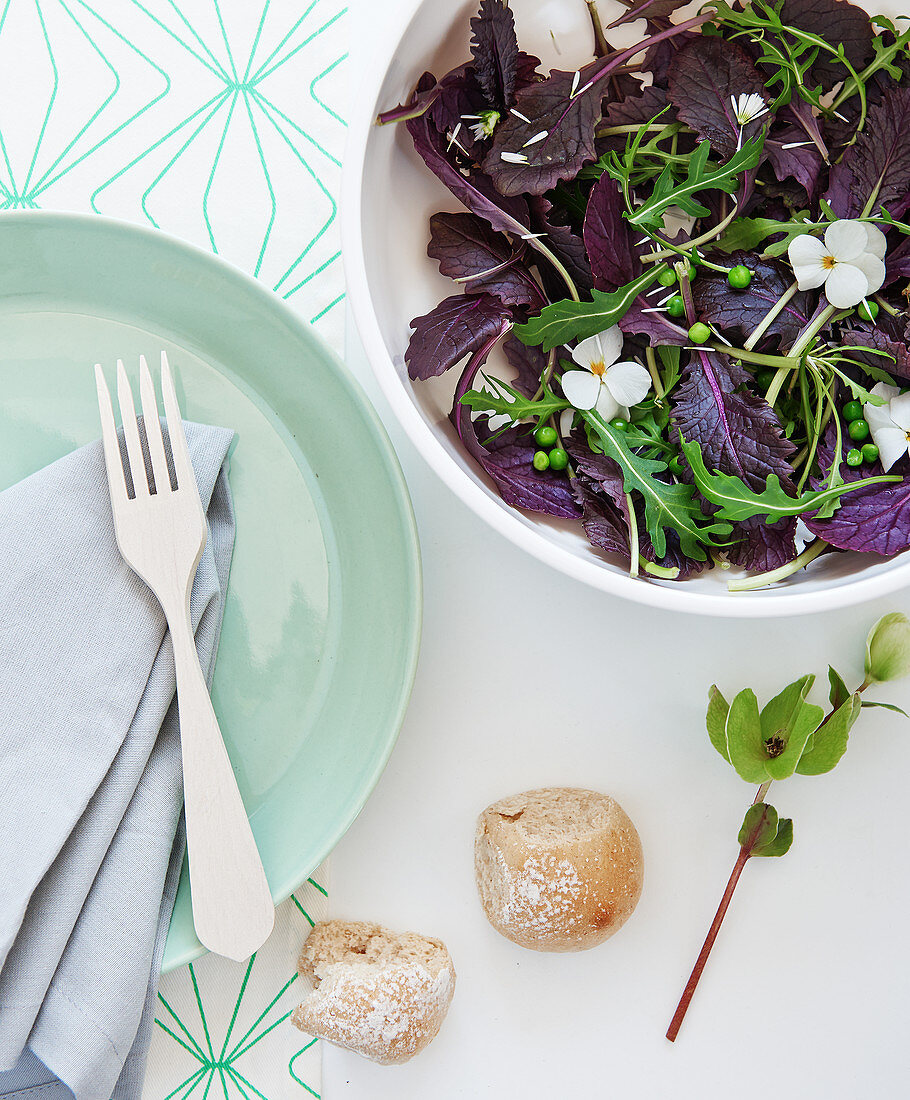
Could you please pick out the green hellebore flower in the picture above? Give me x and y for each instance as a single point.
(888, 648)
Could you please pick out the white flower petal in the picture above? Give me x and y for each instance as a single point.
(898, 409)
(581, 388)
(846, 286)
(628, 383)
(805, 254)
(877, 242)
(587, 352)
(882, 389)
(607, 405)
(873, 268)
(846, 239)
(892, 444)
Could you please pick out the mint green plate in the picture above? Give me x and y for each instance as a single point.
(322, 621)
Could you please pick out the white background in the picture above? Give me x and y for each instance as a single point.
(528, 679)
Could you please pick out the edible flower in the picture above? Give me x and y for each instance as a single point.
(602, 384)
(747, 107)
(849, 262)
(483, 124)
(889, 423)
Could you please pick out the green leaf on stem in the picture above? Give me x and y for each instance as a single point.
(787, 723)
(716, 721)
(839, 693)
(562, 322)
(885, 706)
(745, 743)
(746, 233)
(503, 398)
(888, 648)
(780, 845)
(829, 742)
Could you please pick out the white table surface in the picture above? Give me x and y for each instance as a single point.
(529, 679)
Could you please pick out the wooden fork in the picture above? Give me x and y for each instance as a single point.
(161, 532)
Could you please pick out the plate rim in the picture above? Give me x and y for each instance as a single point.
(412, 568)
(780, 603)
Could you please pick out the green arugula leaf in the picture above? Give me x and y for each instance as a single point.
(745, 743)
(561, 322)
(716, 721)
(787, 723)
(736, 501)
(839, 692)
(780, 845)
(702, 175)
(512, 402)
(885, 706)
(746, 233)
(667, 504)
(829, 742)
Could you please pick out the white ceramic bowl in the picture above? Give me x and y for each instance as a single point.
(388, 198)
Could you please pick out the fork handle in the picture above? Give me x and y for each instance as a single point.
(233, 912)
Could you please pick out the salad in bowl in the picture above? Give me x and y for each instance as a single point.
(691, 258)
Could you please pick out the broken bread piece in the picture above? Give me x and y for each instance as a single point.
(381, 994)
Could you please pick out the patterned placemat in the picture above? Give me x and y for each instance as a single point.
(222, 122)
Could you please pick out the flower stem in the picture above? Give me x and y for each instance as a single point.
(765, 323)
(682, 249)
(601, 46)
(683, 1007)
(759, 580)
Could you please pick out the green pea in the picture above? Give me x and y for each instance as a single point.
(558, 459)
(764, 378)
(545, 436)
(854, 457)
(739, 277)
(676, 307)
(667, 277)
(619, 424)
(541, 460)
(870, 452)
(858, 430)
(699, 333)
(853, 410)
(868, 310)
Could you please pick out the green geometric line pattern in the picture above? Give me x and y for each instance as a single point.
(217, 120)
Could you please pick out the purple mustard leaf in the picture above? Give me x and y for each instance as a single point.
(468, 249)
(474, 189)
(507, 456)
(549, 133)
(607, 239)
(761, 547)
(495, 51)
(788, 156)
(659, 326)
(737, 312)
(604, 522)
(897, 260)
(889, 334)
(564, 242)
(638, 110)
(459, 94)
(647, 9)
(878, 163)
(738, 431)
(875, 520)
(659, 57)
(800, 114)
(705, 77)
(528, 362)
(457, 327)
(836, 22)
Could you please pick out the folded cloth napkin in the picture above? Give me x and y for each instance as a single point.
(90, 779)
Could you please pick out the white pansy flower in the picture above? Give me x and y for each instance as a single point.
(889, 423)
(849, 262)
(602, 384)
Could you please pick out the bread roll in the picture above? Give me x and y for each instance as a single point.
(381, 994)
(558, 869)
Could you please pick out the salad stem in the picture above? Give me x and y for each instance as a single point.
(682, 249)
(651, 360)
(633, 536)
(765, 323)
(535, 242)
(772, 576)
(601, 45)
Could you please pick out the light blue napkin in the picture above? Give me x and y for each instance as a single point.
(90, 779)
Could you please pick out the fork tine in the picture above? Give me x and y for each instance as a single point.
(153, 429)
(131, 433)
(115, 477)
(186, 478)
